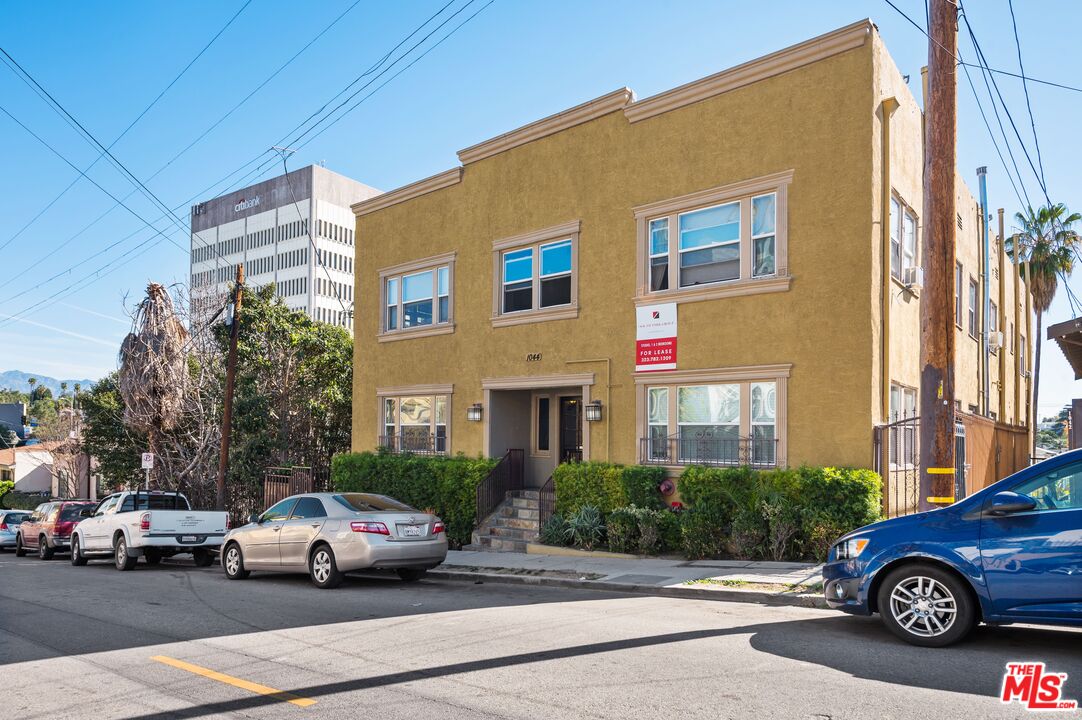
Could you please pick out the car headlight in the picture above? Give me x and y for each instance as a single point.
(851, 548)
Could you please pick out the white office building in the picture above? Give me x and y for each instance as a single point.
(266, 227)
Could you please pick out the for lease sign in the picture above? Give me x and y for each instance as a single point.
(655, 337)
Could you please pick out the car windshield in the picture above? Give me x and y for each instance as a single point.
(363, 502)
(71, 512)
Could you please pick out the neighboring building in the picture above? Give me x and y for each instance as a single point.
(13, 416)
(29, 466)
(266, 227)
(728, 268)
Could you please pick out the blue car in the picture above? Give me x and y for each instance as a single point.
(1009, 553)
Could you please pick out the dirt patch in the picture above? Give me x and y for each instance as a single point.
(530, 572)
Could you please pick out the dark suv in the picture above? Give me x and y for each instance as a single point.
(48, 529)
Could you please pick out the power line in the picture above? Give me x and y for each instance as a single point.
(382, 72)
(190, 145)
(1025, 88)
(129, 127)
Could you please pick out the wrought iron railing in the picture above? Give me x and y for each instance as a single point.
(546, 502)
(704, 449)
(504, 478)
(420, 444)
(896, 453)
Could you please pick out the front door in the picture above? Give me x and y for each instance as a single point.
(1033, 560)
(571, 429)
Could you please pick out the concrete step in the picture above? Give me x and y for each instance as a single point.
(512, 532)
(527, 494)
(510, 511)
(524, 524)
(502, 545)
(521, 502)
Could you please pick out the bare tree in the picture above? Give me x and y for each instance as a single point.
(154, 368)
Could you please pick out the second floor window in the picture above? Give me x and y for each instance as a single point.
(537, 276)
(903, 239)
(973, 307)
(416, 296)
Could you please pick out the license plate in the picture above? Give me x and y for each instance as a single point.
(410, 530)
(188, 538)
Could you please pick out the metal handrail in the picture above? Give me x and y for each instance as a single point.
(546, 502)
(506, 477)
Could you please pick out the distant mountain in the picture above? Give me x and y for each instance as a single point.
(17, 380)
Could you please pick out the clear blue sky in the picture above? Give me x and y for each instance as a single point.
(515, 62)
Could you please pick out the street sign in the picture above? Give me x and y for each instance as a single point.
(148, 461)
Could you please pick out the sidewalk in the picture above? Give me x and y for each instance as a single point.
(778, 583)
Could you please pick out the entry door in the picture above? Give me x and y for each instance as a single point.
(1032, 559)
(571, 429)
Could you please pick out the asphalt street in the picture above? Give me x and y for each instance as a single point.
(174, 641)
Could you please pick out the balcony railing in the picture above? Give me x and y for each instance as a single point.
(417, 444)
(702, 449)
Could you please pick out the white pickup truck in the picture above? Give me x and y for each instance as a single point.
(127, 525)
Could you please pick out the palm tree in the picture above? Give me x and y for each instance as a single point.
(1050, 245)
(33, 382)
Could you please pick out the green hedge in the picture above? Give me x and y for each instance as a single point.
(447, 485)
(643, 531)
(775, 514)
(606, 486)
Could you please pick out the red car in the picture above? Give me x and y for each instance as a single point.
(48, 529)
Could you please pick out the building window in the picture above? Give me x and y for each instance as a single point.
(1022, 351)
(417, 298)
(715, 243)
(536, 276)
(903, 402)
(415, 424)
(958, 294)
(717, 423)
(542, 425)
(973, 307)
(903, 238)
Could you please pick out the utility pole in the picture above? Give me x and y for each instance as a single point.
(937, 300)
(230, 376)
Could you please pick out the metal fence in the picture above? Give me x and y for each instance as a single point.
(281, 482)
(546, 502)
(710, 450)
(897, 460)
(417, 444)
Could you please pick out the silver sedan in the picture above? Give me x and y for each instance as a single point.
(328, 534)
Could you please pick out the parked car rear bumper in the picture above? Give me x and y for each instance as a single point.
(421, 554)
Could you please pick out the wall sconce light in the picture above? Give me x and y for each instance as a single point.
(593, 411)
(474, 412)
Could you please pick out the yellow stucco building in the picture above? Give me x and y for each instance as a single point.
(707, 270)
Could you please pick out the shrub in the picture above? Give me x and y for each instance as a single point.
(586, 528)
(606, 486)
(623, 529)
(669, 530)
(554, 531)
(836, 501)
(446, 484)
(704, 533)
(779, 514)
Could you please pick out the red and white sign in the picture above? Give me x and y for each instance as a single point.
(1036, 689)
(655, 337)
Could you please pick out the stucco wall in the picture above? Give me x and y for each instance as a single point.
(815, 120)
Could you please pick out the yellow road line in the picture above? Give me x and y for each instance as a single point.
(235, 682)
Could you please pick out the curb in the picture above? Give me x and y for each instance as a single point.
(688, 593)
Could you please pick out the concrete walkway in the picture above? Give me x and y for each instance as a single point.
(763, 582)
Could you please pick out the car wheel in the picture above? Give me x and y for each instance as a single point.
(44, 551)
(411, 574)
(152, 557)
(926, 605)
(123, 559)
(233, 563)
(202, 557)
(323, 569)
(77, 557)
(20, 551)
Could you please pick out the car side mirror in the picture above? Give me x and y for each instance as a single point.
(1008, 502)
(86, 512)
(254, 518)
